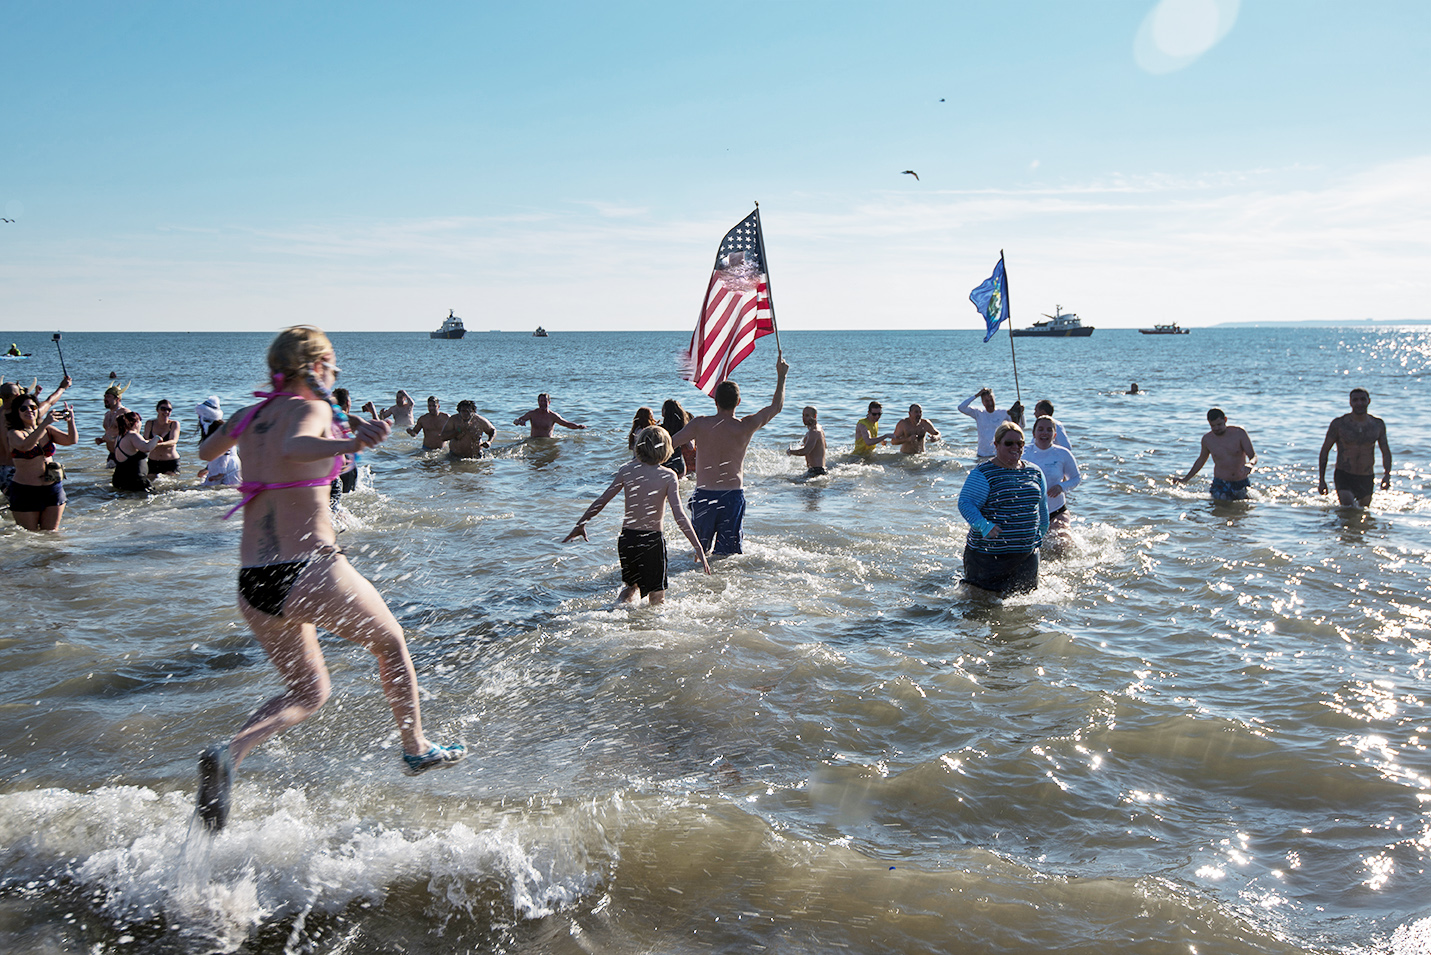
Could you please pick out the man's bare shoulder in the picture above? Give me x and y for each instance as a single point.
(703, 423)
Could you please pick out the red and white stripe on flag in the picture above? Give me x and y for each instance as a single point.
(736, 313)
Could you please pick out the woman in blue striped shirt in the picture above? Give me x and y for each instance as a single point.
(1005, 502)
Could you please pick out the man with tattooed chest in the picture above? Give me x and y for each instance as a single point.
(1355, 437)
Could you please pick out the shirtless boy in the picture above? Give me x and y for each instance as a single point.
(1355, 436)
(812, 449)
(542, 418)
(718, 503)
(1232, 459)
(431, 424)
(910, 432)
(464, 432)
(642, 544)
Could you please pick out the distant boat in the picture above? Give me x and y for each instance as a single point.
(540, 332)
(1172, 329)
(452, 327)
(1060, 324)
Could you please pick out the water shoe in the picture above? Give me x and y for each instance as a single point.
(439, 757)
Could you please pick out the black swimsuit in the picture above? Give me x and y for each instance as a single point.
(127, 476)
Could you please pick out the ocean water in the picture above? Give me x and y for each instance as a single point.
(1206, 732)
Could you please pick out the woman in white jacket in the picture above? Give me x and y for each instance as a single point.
(1060, 471)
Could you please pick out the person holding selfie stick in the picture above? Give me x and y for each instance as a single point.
(37, 490)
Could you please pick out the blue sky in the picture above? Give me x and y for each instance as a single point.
(367, 166)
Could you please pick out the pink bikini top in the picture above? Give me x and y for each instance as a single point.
(252, 489)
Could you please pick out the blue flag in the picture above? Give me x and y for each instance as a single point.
(992, 299)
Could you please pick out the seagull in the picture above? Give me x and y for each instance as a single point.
(911, 172)
(7, 220)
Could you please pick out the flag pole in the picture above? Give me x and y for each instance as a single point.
(769, 288)
(1018, 395)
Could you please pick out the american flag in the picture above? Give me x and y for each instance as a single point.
(737, 308)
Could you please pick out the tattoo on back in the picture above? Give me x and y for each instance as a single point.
(268, 538)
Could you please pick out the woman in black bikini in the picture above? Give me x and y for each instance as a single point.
(164, 459)
(293, 578)
(130, 452)
(37, 492)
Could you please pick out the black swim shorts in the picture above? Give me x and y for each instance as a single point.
(643, 559)
(1001, 573)
(1361, 486)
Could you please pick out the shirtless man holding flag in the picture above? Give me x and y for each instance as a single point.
(718, 502)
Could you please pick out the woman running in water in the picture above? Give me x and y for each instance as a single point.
(293, 578)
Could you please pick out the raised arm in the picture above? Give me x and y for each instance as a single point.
(71, 435)
(967, 405)
(49, 402)
(762, 417)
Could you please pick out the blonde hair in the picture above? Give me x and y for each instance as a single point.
(1004, 428)
(653, 445)
(297, 348)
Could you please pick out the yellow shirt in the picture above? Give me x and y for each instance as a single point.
(861, 447)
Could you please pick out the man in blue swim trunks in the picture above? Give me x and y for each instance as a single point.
(718, 503)
(1232, 459)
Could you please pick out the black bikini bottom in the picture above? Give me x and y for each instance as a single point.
(266, 588)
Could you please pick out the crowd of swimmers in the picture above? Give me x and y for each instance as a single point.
(139, 450)
(289, 455)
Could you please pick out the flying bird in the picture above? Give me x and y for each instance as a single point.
(7, 220)
(911, 172)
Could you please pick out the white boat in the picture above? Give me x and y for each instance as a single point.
(1172, 329)
(1060, 324)
(452, 327)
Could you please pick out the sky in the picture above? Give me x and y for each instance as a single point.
(226, 166)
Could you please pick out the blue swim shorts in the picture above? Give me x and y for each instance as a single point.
(717, 516)
(1230, 490)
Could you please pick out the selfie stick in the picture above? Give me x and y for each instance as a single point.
(63, 369)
